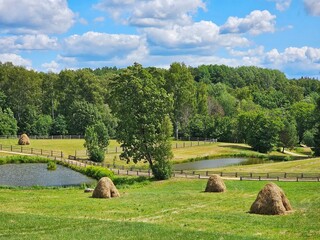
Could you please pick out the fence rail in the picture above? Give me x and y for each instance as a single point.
(83, 154)
(32, 151)
(44, 137)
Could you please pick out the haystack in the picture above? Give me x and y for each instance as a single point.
(24, 140)
(271, 200)
(105, 189)
(215, 184)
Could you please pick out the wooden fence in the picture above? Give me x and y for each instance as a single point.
(32, 151)
(83, 154)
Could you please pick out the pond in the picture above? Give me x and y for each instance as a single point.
(205, 164)
(36, 174)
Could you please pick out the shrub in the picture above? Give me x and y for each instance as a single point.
(162, 170)
(51, 166)
(96, 154)
(98, 172)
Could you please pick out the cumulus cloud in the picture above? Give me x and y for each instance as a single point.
(27, 42)
(198, 37)
(151, 13)
(312, 7)
(255, 23)
(52, 66)
(282, 5)
(95, 45)
(15, 59)
(33, 16)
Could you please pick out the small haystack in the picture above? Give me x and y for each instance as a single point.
(271, 200)
(215, 184)
(105, 189)
(24, 140)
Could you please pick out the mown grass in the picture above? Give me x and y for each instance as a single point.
(174, 209)
(186, 151)
(298, 166)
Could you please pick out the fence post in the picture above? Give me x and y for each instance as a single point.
(0, 146)
(207, 173)
(184, 144)
(236, 175)
(11, 148)
(61, 154)
(21, 149)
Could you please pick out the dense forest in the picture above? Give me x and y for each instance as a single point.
(243, 104)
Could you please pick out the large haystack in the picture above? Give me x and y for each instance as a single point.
(215, 184)
(271, 200)
(105, 189)
(24, 140)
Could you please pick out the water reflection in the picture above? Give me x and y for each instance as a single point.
(36, 174)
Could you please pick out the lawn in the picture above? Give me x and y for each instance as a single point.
(299, 166)
(173, 209)
(182, 150)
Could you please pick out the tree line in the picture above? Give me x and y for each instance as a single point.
(251, 105)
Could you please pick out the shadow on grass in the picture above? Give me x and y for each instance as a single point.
(238, 147)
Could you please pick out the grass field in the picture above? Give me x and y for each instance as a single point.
(185, 150)
(299, 166)
(174, 209)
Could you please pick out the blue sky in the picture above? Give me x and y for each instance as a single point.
(51, 35)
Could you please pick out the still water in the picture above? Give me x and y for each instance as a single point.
(205, 164)
(36, 174)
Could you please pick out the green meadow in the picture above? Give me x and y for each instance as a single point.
(173, 209)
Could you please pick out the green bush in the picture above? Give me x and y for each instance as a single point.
(96, 154)
(98, 172)
(51, 165)
(162, 170)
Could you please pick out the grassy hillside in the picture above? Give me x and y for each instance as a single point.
(174, 209)
(299, 166)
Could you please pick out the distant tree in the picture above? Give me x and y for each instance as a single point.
(81, 115)
(308, 138)
(303, 113)
(263, 133)
(180, 83)
(42, 126)
(59, 126)
(288, 137)
(8, 124)
(96, 141)
(142, 107)
(316, 137)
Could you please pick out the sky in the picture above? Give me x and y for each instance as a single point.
(52, 35)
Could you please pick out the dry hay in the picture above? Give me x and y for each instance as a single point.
(24, 140)
(105, 189)
(215, 184)
(271, 200)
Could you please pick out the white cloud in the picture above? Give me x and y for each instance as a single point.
(99, 19)
(52, 66)
(282, 5)
(255, 23)
(101, 46)
(312, 7)
(297, 61)
(15, 59)
(200, 37)
(152, 13)
(27, 42)
(34, 17)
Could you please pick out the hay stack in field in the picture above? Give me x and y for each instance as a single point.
(271, 200)
(215, 184)
(24, 140)
(105, 189)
